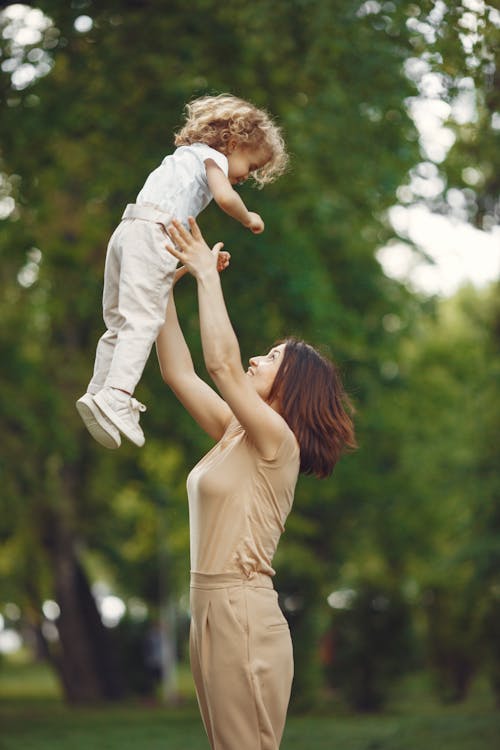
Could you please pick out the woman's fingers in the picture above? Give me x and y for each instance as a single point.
(195, 229)
(184, 237)
(220, 255)
(190, 245)
(179, 234)
(181, 229)
(174, 251)
(172, 230)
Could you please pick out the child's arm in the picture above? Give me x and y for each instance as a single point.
(229, 200)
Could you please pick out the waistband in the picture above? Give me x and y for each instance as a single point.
(147, 212)
(228, 580)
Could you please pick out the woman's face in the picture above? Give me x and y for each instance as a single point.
(263, 369)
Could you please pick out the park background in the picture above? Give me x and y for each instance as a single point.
(389, 571)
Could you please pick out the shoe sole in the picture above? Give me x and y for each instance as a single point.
(117, 422)
(98, 432)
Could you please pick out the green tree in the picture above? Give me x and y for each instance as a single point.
(451, 410)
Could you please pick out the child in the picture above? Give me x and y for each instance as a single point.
(224, 140)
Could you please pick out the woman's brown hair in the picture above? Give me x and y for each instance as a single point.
(313, 403)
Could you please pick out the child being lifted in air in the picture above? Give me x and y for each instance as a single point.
(224, 141)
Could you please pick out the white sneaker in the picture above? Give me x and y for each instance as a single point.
(97, 424)
(123, 411)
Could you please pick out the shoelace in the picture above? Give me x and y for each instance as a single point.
(135, 404)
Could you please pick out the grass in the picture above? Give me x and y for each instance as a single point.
(33, 717)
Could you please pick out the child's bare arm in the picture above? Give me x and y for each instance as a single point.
(229, 200)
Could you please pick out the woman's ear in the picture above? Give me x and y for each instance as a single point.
(232, 145)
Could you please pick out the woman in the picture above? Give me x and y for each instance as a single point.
(286, 414)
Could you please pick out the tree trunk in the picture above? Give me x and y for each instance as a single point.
(85, 662)
(86, 666)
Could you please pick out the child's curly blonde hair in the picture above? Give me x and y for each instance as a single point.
(215, 120)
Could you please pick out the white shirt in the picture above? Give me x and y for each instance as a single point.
(179, 185)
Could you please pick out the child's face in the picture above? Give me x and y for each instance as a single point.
(243, 160)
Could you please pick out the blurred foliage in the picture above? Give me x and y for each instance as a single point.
(452, 368)
(461, 46)
(421, 496)
(454, 622)
(372, 645)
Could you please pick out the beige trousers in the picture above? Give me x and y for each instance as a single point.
(138, 276)
(241, 659)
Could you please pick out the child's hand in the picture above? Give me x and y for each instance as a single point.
(256, 225)
(223, 259)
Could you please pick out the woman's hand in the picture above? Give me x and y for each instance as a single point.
(192, 250)
(223, 260)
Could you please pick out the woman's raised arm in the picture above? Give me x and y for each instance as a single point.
(220, 346)
(176, 365)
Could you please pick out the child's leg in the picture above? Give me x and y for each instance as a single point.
(137, 280)
(146, 272)
(111, 314)
(136, 307)
(99, 426)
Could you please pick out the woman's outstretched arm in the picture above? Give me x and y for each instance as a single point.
(220, 346)
(176, 365)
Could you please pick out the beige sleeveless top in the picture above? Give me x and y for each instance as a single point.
(239, 502)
